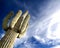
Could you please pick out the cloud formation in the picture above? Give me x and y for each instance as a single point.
(38, 32)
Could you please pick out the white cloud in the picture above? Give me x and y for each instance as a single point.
(54, 26)
(57, 46)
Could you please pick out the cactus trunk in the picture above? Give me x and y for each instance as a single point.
(8, 40)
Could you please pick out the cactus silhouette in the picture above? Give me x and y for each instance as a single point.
(16, 28)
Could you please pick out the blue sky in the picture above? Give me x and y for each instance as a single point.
(43, 30)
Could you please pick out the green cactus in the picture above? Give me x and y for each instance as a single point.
(16, 28)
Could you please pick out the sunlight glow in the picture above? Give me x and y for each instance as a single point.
(54, 26)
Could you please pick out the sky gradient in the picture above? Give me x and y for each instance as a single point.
(43, 30)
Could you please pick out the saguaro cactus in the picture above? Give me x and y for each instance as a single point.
(16, 28)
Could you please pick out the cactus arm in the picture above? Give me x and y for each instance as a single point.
(24, 32)
(25, 14)
(24, 26)
(15, 19)
(26, 20)
(23, 18)
(5, 21)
